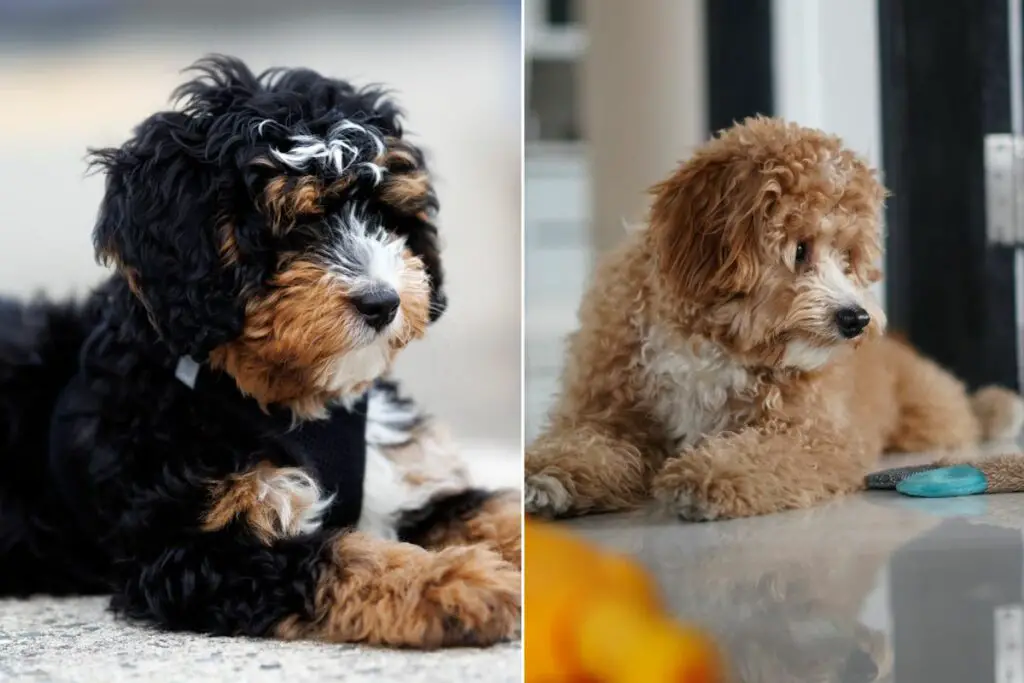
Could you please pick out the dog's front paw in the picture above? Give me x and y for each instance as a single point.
(545, 495)
(686, 503)
(695, 494)
(477, 597)
(399, 594)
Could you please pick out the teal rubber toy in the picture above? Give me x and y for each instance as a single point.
(945, 482)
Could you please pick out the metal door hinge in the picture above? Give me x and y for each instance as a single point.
(1009, 637)
(1004, 189)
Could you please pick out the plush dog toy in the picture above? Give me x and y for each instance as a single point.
(597, 617)
(943, 479)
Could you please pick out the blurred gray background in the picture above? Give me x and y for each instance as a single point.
(80, 73)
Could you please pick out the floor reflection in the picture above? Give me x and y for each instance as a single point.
(875, 587)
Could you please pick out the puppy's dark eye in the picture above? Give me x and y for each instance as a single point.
(803, 252)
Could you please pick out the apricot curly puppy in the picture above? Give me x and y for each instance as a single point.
(730, 358)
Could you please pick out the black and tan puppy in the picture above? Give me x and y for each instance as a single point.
(209, 436)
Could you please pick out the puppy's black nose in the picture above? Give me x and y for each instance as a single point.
(851, 321)
(378, 307)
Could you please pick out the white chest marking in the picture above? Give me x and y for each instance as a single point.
(387, 491)
(688, 386)
(360, 365)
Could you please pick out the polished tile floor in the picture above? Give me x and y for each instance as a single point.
(873, 587)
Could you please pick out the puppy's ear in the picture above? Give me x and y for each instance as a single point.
(160, 227)
(422, 240)
(705, 223)
(408, 204)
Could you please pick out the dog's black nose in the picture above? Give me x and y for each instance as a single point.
(851, 321)
(378, 307)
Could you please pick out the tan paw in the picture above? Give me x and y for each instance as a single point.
(496, 525)
(398, 594)
(276, 502)
(479, 599)
(544, 495)
(687, 490)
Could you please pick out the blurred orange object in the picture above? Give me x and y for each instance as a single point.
(593, 617)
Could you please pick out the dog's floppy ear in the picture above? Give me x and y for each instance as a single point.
(160, 227)
(407, 203)
(422, 240)
(705, 223)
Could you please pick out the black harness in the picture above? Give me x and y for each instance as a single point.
(334, 449)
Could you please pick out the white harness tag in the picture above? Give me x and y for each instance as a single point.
(186, 371)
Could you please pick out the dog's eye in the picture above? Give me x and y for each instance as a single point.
(803, 252)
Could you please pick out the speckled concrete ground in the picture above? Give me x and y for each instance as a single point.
(76, 641)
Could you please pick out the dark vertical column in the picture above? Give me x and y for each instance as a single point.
(944, 86)
(943, 602)
(739, 64)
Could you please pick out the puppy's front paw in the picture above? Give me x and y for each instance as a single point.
(399, 594)
(477, 597)
(545, 495)
(688, 502)
(695, 494)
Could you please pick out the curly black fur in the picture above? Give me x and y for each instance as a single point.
(443, 510)
(107, 459)
(188, 167)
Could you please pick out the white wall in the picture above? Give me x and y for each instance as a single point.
(826, 68)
